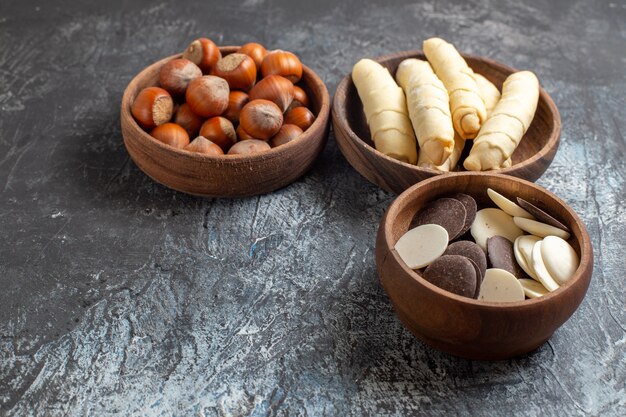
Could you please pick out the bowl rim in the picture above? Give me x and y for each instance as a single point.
(339, 117)
(586, 248)
(318, 123)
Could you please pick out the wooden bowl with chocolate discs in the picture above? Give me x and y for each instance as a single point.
(441, 302)
(211, 174)
(529, 160)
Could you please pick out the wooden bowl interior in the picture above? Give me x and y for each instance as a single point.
(416, 199)
(227, 175)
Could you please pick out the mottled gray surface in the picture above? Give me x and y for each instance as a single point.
(119, 296)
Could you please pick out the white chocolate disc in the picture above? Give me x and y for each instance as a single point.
(507, 205)
(540, 269)
(500, 286)
(560, 259)
(523, 250)
(532, 288)
(420, 246)
(493, 222)
(539, 229)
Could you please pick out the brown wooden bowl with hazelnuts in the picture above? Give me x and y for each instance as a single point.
(193, 141)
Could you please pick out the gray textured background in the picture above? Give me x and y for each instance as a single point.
(118, 295)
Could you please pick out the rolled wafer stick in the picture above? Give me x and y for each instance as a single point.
(385, 110)
(429, 109)
(466, 104)
(488, 91)
(423, 160)
(502, 132)
(490, 95)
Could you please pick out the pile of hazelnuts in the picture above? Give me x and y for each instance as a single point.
(242, 103)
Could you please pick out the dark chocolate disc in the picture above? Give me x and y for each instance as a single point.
(501, 256)
(446, 212)
(470, 250)
(454, 273)
(474, 253)
(541, 215)
(479, 278)
(470, 210)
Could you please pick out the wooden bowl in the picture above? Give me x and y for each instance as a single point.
(530, 159)
(228, 175)
(463, 326)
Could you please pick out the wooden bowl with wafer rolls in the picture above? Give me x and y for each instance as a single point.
(529, 161)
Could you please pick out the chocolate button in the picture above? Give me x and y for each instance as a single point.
(507, 205)
(446, 212)
(420, 246)
(501, 255)
(539, 229)
(532, 288)
(560, 259)
(540, 269)
(470, 211)
(541, 215)
(454, 273)
(479, 277)
(475, 254)
(501, 286)
(493, 222)
(523, 250)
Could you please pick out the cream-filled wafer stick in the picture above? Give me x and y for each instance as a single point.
(488, 91)
(429, 109)
(466, 104)
(385, 110)
(502, 132)
(450, 163)
(491, 96)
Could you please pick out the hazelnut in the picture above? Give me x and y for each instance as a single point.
(274, 88)
(286, 134)
(188, 120)
(176, 74)
(261, 118)
(171, 134)
(204, 53)
(204, 146)
(300, 116)
(256, 51)
(282, 63)
(249, 147)
(152, 107)
(208, 95)
(236, 101)
(243, 135)
(238, 70)
(220, 131)
(300, 98)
